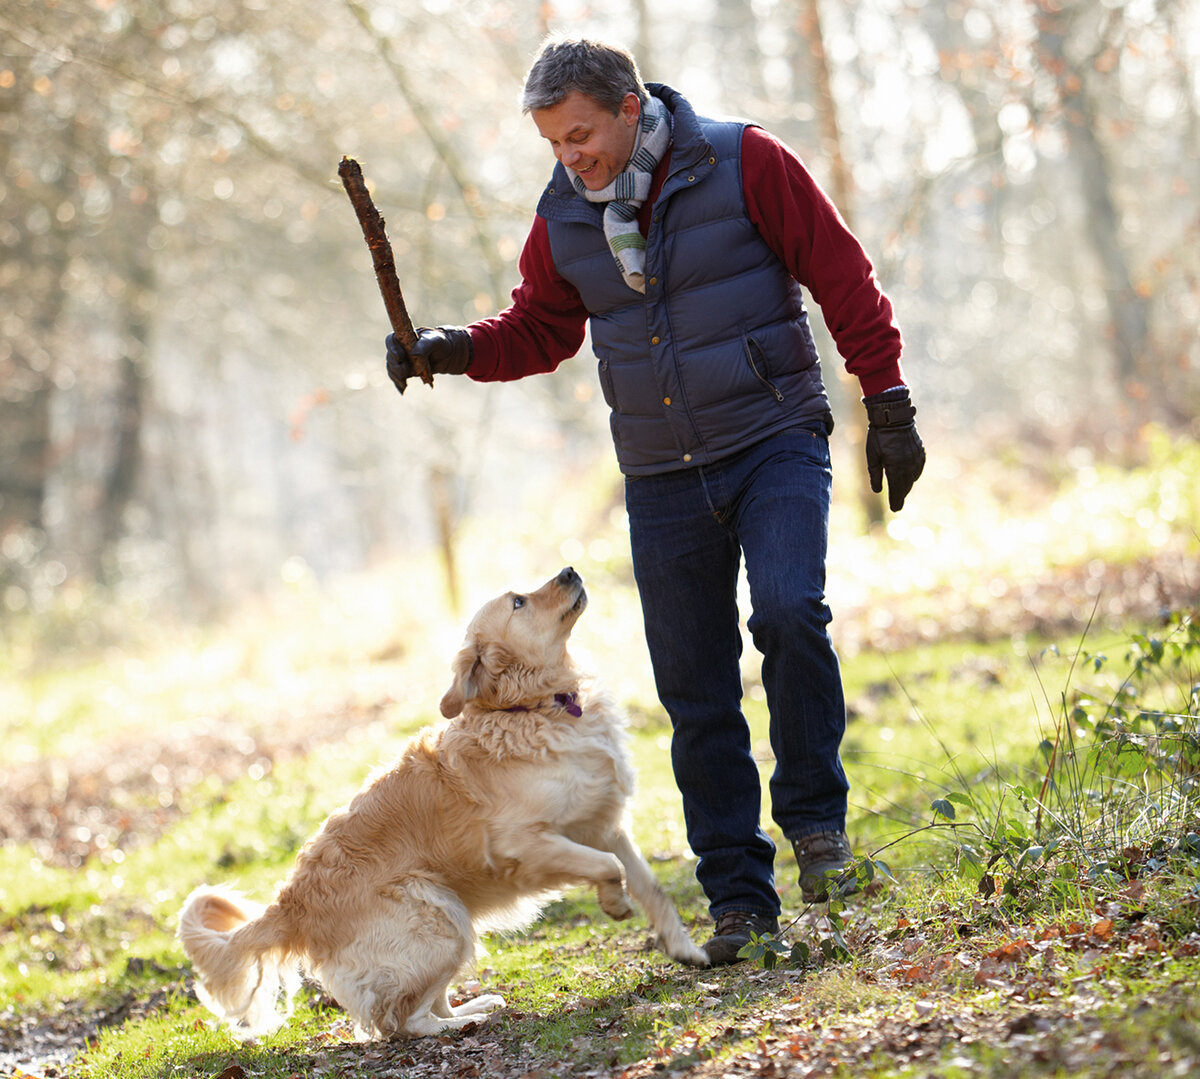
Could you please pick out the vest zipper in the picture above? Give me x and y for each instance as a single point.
(752, 347)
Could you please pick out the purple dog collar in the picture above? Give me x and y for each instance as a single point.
(568, 702)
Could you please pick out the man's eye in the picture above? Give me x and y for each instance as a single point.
(518, 602)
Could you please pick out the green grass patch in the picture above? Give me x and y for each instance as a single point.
(1025, 803)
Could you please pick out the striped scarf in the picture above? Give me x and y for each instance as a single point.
(629, 190)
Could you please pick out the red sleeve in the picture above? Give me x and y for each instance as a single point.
(543, 326)
(801, 225)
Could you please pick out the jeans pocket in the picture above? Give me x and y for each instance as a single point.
(810, 443)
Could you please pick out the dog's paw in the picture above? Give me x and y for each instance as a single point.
(488, 1002)
(616, 904)
(690, 955)
(680, 947)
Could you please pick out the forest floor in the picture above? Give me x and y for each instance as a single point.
(934, 973)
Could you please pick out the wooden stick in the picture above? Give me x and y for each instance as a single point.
(375, 233)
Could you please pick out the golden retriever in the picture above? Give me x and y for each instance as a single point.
(520, 794)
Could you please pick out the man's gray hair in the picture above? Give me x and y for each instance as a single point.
(605, 73)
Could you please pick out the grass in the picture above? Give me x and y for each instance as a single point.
(1033, 795)
(579, 987)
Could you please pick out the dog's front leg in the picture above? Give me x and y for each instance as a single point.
(549, 860)
(655, 902)
(443, 1009)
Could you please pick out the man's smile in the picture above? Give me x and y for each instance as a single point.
(591, 141)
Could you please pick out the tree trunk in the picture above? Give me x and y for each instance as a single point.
(643, 49)
(124, 467)
(963, 66)
(135, 306)
(33, 301)
(736, 28)
(441, 489)
(841, 190)
(1129, 331)
(24, 440)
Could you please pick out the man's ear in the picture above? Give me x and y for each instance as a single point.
(631, 108)
(465, 685)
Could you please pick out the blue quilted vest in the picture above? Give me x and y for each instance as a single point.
(718, 354)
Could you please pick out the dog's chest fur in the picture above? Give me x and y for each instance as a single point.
(575, 766)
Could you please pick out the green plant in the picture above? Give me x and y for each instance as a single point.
(1113, 796)
(1116, 794)
(824, 941)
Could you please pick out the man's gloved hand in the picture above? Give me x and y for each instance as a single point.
(447, 350)
(893, 445)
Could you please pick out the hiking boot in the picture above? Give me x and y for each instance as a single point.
(820, 859)
(733, 933)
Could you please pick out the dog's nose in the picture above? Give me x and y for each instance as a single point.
(568, 577)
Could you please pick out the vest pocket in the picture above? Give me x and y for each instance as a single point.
(606, 384)
(758, 364)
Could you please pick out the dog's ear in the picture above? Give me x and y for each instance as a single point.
(465, 685)
(481, 669)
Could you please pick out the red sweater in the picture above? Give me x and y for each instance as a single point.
(545, 324)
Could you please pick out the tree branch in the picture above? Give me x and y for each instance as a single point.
(442, 146)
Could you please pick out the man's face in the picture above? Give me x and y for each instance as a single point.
(588, 139)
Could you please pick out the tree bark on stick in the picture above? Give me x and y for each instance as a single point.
(375, 233)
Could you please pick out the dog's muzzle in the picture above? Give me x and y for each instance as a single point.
(570, 581)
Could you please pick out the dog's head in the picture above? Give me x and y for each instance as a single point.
(516, 647)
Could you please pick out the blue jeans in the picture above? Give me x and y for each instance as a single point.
(689, 531)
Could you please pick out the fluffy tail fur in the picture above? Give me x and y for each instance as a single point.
(242, 961)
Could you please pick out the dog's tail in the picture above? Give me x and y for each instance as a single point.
(243, 962)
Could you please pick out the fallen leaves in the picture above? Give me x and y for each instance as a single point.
(1079, 963)
(122, 794)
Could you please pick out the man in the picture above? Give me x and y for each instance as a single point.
(685, 241)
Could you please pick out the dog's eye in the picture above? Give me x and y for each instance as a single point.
(518, 602)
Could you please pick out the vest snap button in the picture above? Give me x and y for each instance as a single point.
(655, 340)
(687, 457)
(667, 401)
(654, 280)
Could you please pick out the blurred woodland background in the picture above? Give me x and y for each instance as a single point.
(193, 403)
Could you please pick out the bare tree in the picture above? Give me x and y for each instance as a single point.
(34, 260)
(1080, 117)
(842, 191)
